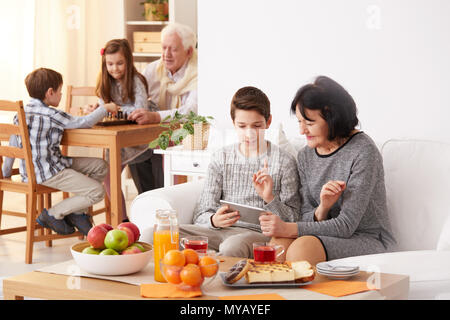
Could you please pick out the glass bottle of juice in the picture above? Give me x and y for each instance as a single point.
(165, 237)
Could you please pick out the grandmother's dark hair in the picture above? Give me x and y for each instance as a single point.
(336, 106)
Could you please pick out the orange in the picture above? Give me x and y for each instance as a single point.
(174, 258)
(191, 275)
(172, 274)
(208, 266)
(191, 256)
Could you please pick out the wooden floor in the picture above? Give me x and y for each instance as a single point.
(12, 246)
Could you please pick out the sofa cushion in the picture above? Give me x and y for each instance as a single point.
(181, 197)
(444, 239)
(417, 177)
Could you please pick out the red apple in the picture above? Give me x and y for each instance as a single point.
(130, 234)
(96, 237)
(133, 228)
(106, 226)
(131, 250)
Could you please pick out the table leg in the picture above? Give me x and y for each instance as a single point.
(115, 169)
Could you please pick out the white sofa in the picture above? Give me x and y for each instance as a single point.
(417, 175)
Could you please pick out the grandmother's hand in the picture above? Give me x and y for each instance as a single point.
(330, 193)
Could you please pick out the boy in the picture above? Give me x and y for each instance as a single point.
(81, 176)
(235, 174)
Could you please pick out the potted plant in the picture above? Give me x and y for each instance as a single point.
(156, 10)
(190, 129)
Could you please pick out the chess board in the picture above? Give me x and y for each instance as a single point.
(120, 118)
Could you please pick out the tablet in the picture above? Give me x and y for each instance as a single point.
(248, 213)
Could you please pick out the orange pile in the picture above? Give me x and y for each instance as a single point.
(187, 267)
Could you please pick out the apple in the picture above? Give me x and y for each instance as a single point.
(130, 234)
(116, 239)
(133, 228)
(139, 246)
(91, 250)
(109, 252)
(106, 226)
(131, 250)
(96, 237)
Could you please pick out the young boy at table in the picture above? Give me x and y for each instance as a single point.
(252, 172)
(81, 176)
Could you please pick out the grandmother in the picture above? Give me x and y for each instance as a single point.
(343, 211)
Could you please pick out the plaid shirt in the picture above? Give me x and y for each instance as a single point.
(46, 127)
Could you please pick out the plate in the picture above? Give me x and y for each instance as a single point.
(337, 276)
(242, 283)
(336, 268)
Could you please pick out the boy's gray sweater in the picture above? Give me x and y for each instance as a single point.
(229, 177)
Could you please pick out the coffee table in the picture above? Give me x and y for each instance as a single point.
(56, 286)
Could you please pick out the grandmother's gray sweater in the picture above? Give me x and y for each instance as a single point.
(362, 208)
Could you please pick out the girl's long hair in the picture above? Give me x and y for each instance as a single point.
(104, 80)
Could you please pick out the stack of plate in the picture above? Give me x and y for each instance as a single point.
(336, 271)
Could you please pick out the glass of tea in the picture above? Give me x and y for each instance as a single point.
(265, 252)
(197, 243)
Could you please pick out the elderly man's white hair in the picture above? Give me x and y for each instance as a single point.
(186, 34)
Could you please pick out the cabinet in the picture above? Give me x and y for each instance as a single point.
(191, 163)
(146, 33)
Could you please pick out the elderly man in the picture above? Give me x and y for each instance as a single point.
(172, 86)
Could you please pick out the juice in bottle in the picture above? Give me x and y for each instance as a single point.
(165, 238)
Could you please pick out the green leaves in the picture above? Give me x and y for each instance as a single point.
(178, 127)
(178, 135)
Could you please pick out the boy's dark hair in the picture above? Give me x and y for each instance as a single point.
(250, 98)
(336, 106)
(42, 79)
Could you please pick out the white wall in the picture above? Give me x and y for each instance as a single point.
(393, 57)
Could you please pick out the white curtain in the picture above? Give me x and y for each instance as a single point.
(70, 33)
(65, 35)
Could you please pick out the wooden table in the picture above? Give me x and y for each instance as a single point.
(113, 138)
(55, 286)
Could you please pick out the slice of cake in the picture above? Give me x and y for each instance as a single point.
(269, 273)
(303, 271)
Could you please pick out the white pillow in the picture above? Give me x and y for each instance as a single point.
(278, 137)
(444, 238)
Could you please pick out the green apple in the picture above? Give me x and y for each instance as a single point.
(116, 239)
(139, 246)
(109, 252)
(91, 250)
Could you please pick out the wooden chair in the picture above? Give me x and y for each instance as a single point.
(84, 92)
(38, 196)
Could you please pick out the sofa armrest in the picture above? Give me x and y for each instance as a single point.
(181, 197)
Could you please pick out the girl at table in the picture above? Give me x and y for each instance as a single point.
(120, 83)
(343, 195)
